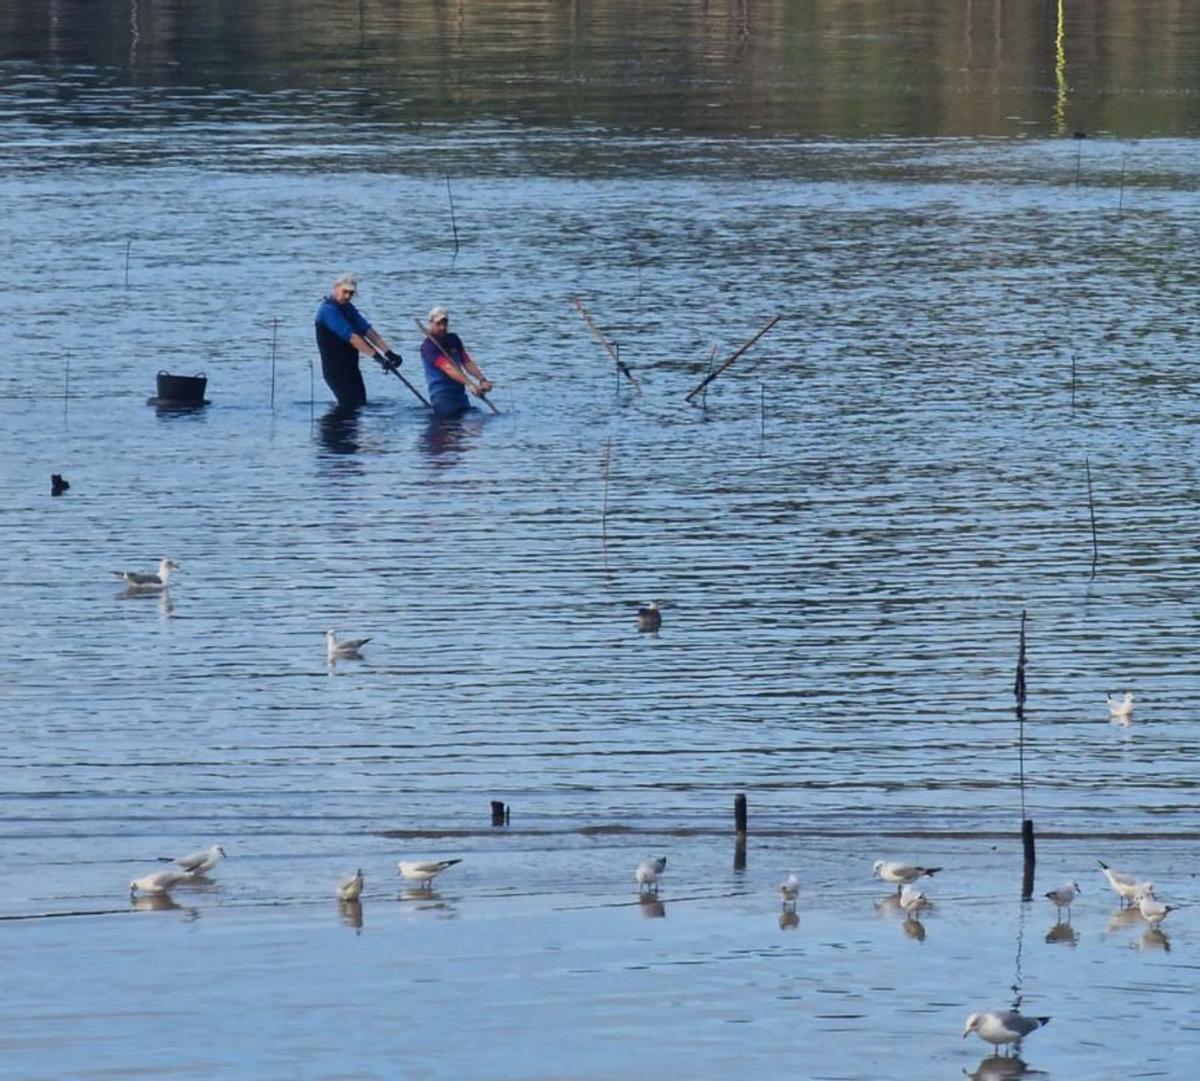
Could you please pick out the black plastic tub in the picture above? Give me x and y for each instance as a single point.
(179, 392)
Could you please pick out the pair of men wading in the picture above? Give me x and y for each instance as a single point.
(344, 334)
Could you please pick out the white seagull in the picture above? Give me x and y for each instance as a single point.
(149, 582)
(649, 872)
(198, 863)
(1064, 896)
(1003, 1026)
(1126, 886)
(1120, 709)
(789, 890)
(1153, 910)
(335, 650)
(900, 873)
(423, 871)
(160, 882)
(350, 889)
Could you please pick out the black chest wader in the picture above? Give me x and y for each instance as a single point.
(339, 366)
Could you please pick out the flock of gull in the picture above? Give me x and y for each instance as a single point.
(1001, 1028)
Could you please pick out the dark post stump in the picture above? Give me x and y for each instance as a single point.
(499, 813)
(1030, 859)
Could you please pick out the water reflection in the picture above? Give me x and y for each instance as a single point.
(914, 929)
(1154, 938)
(445, 439)
(1002, 1068)
(338, 430)
(1063, 934)
(161, 902)
(165, 605)
(351, 914)
(789, 919)
(652, 908)
(421, 899)
(1122, 918)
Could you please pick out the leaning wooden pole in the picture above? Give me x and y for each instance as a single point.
(609, 348)
(1087, 465)
(713, 375)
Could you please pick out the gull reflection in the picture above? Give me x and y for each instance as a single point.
(652, 908)
(1154, 938)
(1002, 1068)
(789, 919)
(1124, 917)
(161, 902)
(351, 914)
(890, 904)
(427, 900)
(1064, 934)
(914, 928)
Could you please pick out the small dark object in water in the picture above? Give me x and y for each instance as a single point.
(58, 484)
(1080, 134)
(649, 618)
(180, 391)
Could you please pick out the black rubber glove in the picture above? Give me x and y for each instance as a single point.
(394, 360)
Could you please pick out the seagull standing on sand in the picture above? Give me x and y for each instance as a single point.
(1003, 1027)
(1064, 896)
(1120, 709)
(350, 889)
(423, 871)
(649, 617)
(1126, 886)
(1153, 910)
(160, 882)
(649, 872)
(335, 650)
(149, 582)
(900, 873)
(198, 863)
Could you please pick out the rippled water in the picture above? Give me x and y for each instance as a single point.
(845, 536)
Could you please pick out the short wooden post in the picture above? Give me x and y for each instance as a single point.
(499, 813)
(739, 825)
(1030, 859)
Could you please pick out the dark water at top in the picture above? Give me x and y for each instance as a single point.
(975, 304)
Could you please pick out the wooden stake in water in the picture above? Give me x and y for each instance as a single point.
(604, 511)
(712, 359)
(1026, 823)
(609, 347)
(1079, 137)
(762, 418)
(453, 222)
(740, 828)
(1121, 197)
(274, 339)
(312, 393)
(1087, 465)
(128, 245)
(1073, 382)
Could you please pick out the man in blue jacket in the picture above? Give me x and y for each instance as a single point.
(342, 334)
(449, 369)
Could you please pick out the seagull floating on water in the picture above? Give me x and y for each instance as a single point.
(135, 580)
(160, 881)
(198, 863)
(649, 617)
(1126, 886)
(649, 872)
(1120, 709)
(1064, 896)
(350, 889)
(335, 650)
(1003, 1026)
(424, 871)
(900, 873)
(1153, 910)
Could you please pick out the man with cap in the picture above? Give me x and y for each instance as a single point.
(449, 370)
(342, 334)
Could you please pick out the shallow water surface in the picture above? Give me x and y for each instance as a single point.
(977, 314)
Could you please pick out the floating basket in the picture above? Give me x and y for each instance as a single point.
(181, 389)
